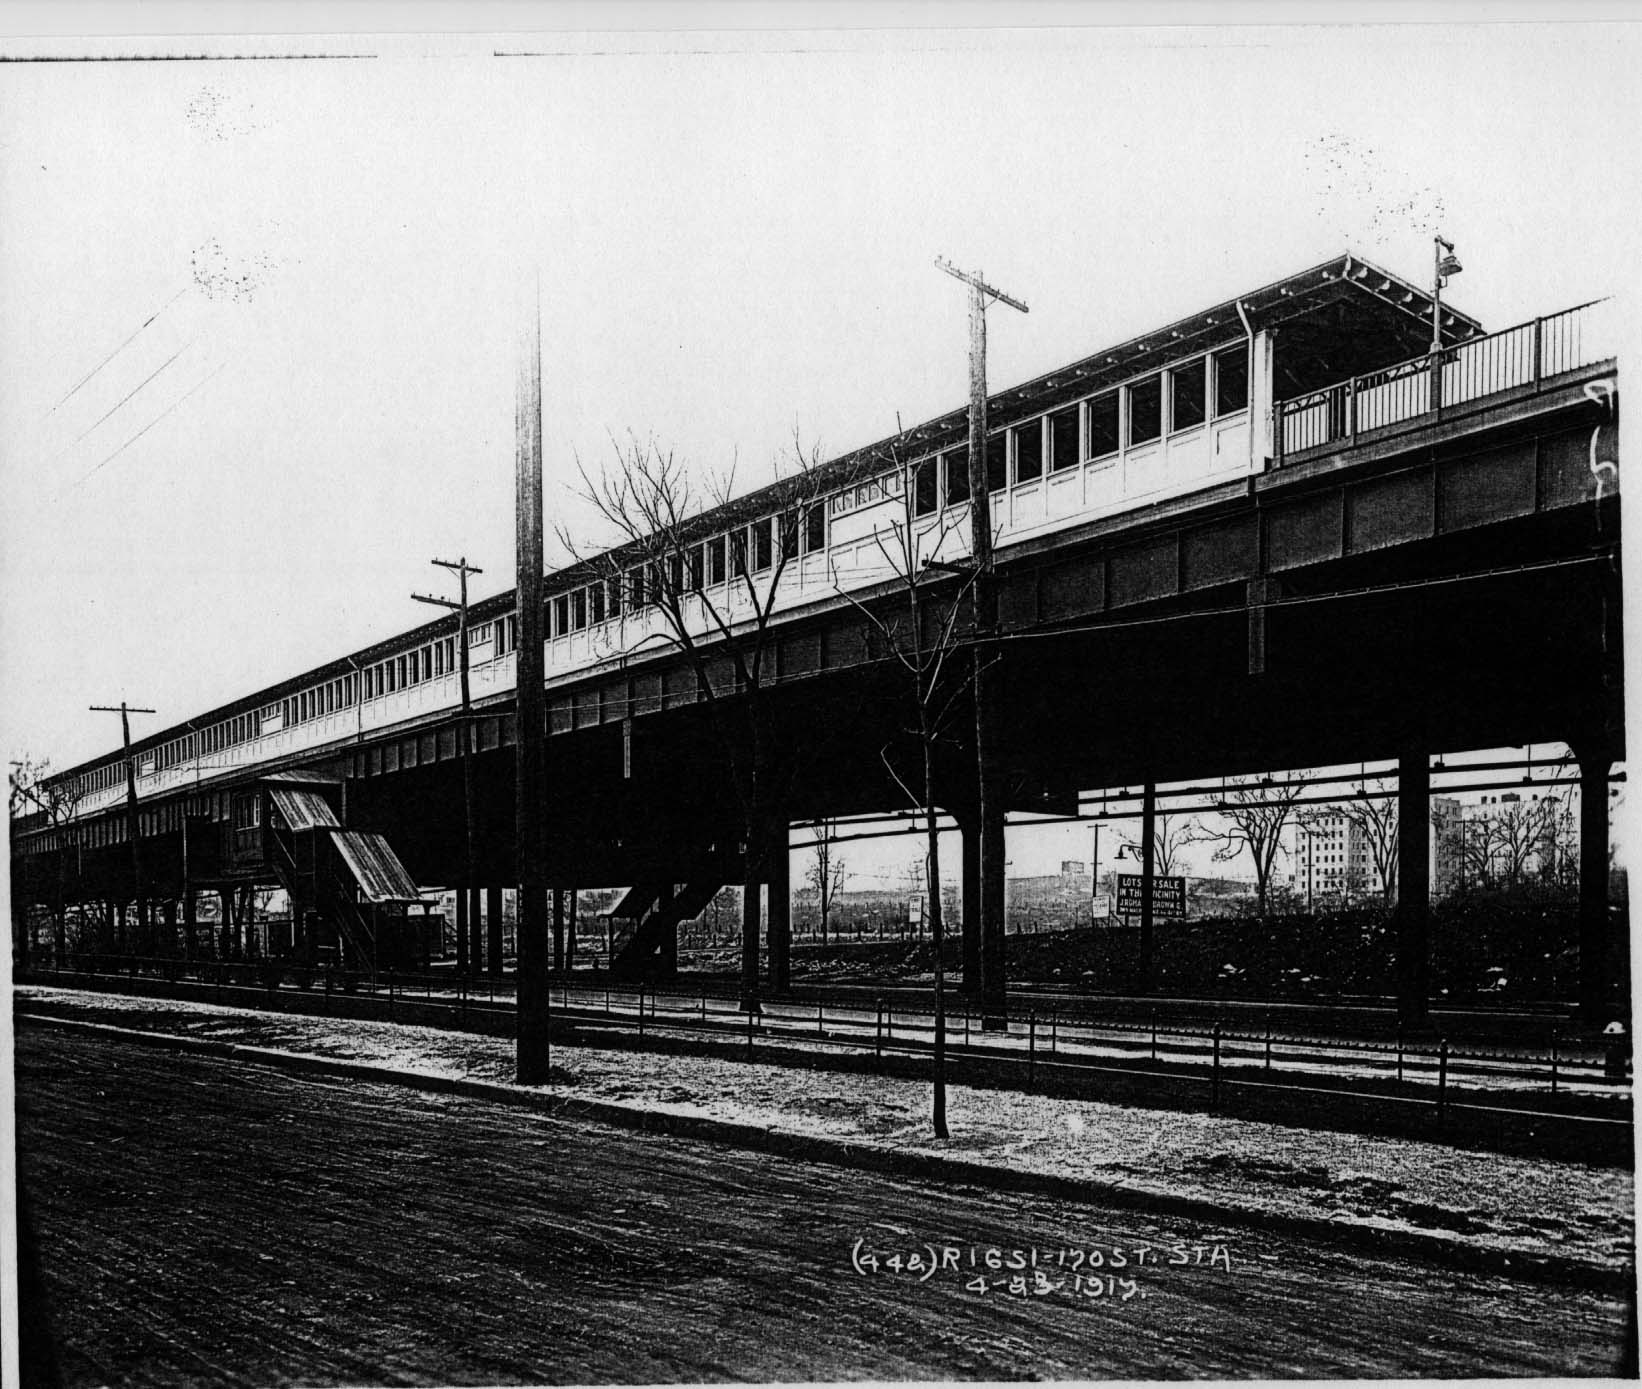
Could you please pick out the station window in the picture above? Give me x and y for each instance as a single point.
(715, 559)
(763, 546)
(1188, 387)
(415, 667)
(653, 583)
(402, 665)
(675, 574)
(614, 587)
(1103, 425)
(956, 467)
(596, 595)
(924, 499)
(1028, 451)
(738, 551)
(697, 567)
(561, 615)
(1063, 439)
(1145, 410)
(815, 529)
(789, 532)
(578, 608)
(997, 462)
(635, 588)
(1231, 380)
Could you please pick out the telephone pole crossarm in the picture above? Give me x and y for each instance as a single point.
(976, 282)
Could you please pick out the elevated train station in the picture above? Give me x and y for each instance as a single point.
(1283, 532)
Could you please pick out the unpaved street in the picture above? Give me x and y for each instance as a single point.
(203, 1221)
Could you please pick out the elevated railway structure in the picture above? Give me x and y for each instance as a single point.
(1282, 532)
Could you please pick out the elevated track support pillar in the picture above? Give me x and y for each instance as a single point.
(493, 928)
(1413, 933)
(969, 839)
(750, 912)
(1145, 973)
(462, 928)
(558, 930)
(1595, 759)
(476, 936)
(780, 926)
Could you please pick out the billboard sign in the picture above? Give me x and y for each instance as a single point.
(1168, 896)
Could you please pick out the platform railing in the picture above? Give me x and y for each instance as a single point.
(1520, 358)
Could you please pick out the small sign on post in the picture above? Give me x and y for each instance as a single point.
(1168, 896)
(1100, 906)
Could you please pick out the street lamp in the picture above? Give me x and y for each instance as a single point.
(1444, 265)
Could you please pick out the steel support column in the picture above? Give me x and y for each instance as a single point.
(780, 924)
(1145, 973)
(749, 943)
(493, 928)
(969, 839)
(1594, 762)
(1413, 932)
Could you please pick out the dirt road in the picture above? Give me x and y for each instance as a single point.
(203, 1221)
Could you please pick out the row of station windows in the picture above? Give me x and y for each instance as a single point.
(1177, 399)
(1092, 430)
(747, 550)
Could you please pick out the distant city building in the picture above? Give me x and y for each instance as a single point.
(1333, 860)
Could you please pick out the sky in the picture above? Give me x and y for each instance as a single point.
(256, 317)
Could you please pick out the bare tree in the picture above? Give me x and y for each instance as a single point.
(827, 874)
(1517, 833)
(35, 790)
(709, 568)
(919, 629)
(1171, 833)
(1369, 814)
(1372, 813)
(1253, 813)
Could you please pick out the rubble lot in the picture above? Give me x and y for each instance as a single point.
(1570, 1210)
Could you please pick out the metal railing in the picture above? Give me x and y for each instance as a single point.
(1077, 1036)
(1521, 358)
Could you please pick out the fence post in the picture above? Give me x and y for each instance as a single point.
(1054, 1030)
(1351, 410)
(1154, 1034)
(704, 1007)
(1539, 357)
(1399, 1054)
(1268, 1039)
(820, 1017)
(1442, 1079)
(878, 1035)
(1214, 1089)
(641, 1012)
(750, 1016)
(1553, 1059)
(1031, 1048)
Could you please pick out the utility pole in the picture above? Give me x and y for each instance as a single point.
(989, 808)
(125, 711)
(534, 1055)
(464, 924)
(1094, 876)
